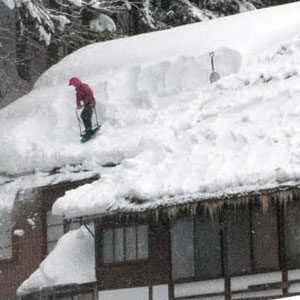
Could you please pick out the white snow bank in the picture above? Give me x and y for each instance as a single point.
(71, 262)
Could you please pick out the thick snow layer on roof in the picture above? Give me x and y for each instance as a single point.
(170, 132)
(71, 262)
(10, 185)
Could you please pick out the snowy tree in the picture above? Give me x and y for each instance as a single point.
(63, 26)
(75, 23)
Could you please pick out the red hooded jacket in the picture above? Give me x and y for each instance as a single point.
(83, 93)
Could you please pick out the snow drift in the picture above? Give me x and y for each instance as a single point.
(71, 262)
(168, 131)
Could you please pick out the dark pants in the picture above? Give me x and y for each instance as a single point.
(86, 116)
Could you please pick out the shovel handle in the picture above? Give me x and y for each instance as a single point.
(212, 54)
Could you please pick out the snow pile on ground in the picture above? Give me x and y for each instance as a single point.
(170, 133)
(71, 262)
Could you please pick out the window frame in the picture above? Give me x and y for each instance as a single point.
(273, 206)
(284, 242)
(197, 274)
(123, 228)
(223, 244)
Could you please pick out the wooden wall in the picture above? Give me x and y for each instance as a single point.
(29, 214)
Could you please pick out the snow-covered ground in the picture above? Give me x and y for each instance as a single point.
(171, 133)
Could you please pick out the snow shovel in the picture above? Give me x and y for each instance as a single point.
(80, 123)
(214, 76)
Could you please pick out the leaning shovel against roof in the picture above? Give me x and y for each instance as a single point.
(214, 76)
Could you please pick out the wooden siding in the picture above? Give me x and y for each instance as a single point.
(263, 283)
(30, 249)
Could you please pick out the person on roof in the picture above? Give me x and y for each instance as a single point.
(84, 98)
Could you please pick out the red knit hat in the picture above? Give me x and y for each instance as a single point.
(74, 81)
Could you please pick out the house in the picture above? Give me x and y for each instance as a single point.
(243, 247)
(202, 202)
(29, 232)
(238, 247)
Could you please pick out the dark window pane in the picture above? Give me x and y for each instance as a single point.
(265, 238)
(108, 248)
(208, 261)
(237, 235)
(64, 297)
(182, 249)
(292, 234)
(119, 244)
(85, 296)
(142, 238)
(130, 238)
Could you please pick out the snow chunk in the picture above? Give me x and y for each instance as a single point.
(71, 262)
(76, 2)
(19, 232)
(102, 23)
(31, 223)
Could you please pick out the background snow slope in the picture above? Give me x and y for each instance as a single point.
(170, 132)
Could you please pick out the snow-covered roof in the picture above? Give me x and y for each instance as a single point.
(11, 185)
(71, 262)
(169, 132)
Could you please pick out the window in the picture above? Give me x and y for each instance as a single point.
(182, 249)
(74, 224)
(208, 247)
(240, 240)
(196, 248)
(5, 235)
(265, 238)
(125, 244)
(237, 236)
(292, 234)
(81, 296)
(55, 229)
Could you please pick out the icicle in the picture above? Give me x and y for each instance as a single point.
(296, 194)
(193, 208)
(285, 196)
(172, 211)
(265, 200)
(212, 207)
